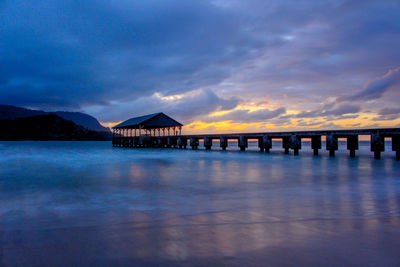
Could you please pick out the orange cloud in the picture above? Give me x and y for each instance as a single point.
(110, 124)
(364, 120)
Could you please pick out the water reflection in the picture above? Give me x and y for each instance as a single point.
(85, 203)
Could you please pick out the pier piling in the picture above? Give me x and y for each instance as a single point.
(172, 141)
(285, 144)
(194, 143)
(352, 144)
(208, 143)
(267, 143)
(396, 145)
(261, 144)
(223, 142)
(242, 143)
(182, 142)
(316, 144)
(295, 144)
(377, 144)
(290, 140)
(332, 144)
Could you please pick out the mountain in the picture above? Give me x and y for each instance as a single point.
(82, 119)
(11, 113)
(47, 127)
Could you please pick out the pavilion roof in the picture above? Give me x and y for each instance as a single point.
(156, 120)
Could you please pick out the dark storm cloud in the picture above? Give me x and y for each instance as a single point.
(69, 53)
(110, 57)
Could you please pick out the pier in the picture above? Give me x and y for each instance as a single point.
(160, 131)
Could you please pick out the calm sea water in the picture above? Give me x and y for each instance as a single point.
(88, 204)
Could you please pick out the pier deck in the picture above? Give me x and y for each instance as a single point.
(290, 140)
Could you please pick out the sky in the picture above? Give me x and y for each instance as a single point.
(214, 65)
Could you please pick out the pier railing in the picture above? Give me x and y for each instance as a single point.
(290, 140)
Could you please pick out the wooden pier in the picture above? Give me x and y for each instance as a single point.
(154, 130)
(290, 140)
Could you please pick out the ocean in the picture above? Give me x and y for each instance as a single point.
(89, 204)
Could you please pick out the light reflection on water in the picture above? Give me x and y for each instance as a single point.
(86, 203)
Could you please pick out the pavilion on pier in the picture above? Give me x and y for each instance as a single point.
(157, 124)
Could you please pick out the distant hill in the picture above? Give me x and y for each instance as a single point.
(11, 113)
(82, 119)
(47, 127)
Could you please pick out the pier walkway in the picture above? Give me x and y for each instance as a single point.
(290, 140)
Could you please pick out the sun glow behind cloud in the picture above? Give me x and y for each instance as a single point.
(110, 124)
(169, 98)
(214, 122)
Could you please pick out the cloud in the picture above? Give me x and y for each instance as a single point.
(247, 116)
(377, 87)
(388, 114)
(331, 110)
(303, 123)
(184, 107)
(116, 59)
(69, 54)
(389, 111)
